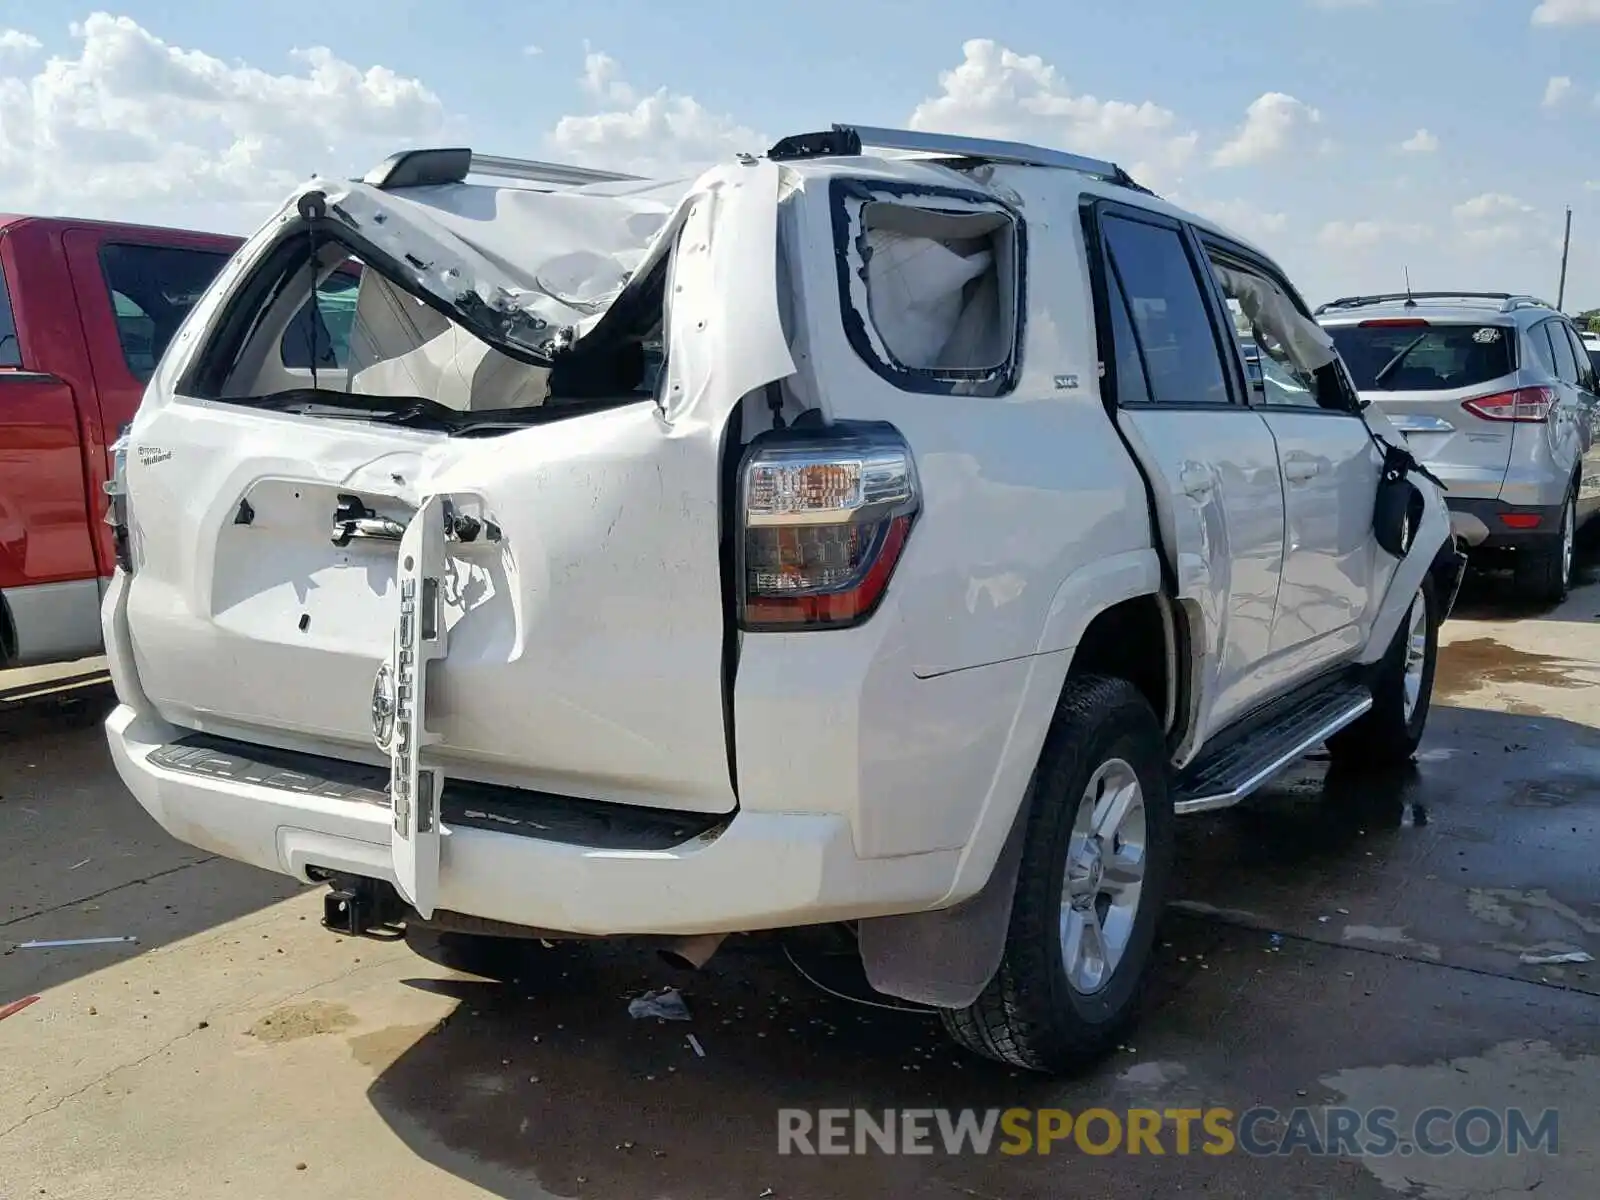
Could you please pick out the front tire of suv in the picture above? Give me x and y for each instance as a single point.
(1402, 692)
(1094, 876)
(1543, 574)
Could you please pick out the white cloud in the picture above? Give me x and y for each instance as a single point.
(1239, 216)
(14, 41)
(1271, 124)
(996, 92)
(1567, 12)
(661, 133)
(136, 128)
(1490, 205)
(532, 51)
(602, 79)
(1348, 236)
(1557, 90)
(1493, 220)
(1421, 142)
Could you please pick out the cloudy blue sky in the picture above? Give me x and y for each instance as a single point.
(1352, 138)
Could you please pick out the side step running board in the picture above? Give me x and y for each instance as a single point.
(1233, 771)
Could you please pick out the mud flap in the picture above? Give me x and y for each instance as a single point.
(419, 638)
(945, 958)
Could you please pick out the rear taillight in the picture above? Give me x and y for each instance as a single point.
(116, 488)
(1395, 323)
(824, 515)
(1529, 404)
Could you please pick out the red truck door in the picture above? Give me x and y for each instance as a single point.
(47, 560)
(134, 287)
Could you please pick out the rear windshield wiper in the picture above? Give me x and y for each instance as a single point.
(1388, 367)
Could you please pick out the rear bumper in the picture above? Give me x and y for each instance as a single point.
(1481, 523)
(759, 871)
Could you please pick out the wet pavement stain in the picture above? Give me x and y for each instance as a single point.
(1468, 859)
(1528, 1078)
(295, 1021)
(1465, 666)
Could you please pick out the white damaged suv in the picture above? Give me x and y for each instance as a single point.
(882, 531)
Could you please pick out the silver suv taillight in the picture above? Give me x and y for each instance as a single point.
(825, 514)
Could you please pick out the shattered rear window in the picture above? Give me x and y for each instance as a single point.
(930, 285)
(338, 337)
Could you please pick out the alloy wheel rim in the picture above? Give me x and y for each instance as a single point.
(1416, 654)
(1567, 525)
(1104, 876)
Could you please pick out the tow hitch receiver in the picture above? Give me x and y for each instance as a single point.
(357, 906)
(346, 911)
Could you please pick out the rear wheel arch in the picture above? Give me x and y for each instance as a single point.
(1132, 640)
(947, 957)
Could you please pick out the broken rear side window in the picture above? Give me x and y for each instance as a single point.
(931, 286)
(337, 338)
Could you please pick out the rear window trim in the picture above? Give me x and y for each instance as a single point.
(987, 384)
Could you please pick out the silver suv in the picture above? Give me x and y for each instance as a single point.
(1496, 394)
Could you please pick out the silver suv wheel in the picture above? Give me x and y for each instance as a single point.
(1416, 662)
(1105, 876)
(1568, 535)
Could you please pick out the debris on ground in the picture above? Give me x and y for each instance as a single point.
(665, 1005)
(694, 1044)
(16, 1006)
(1550, 960)
(60, 942)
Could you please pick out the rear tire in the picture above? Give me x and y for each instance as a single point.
(1402, 693)
(1099, 842)
(1543, 574)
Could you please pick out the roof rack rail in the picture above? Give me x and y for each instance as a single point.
(1509, 301)
(850, 140)
(425, 168)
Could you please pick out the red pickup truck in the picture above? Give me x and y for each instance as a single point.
(86, 309)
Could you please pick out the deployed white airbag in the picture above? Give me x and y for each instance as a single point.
(1272, 312)
(401, 347)
(915, 287)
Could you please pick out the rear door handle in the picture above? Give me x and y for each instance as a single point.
(1300, 468)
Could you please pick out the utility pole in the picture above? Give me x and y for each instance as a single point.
(1566, 245)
